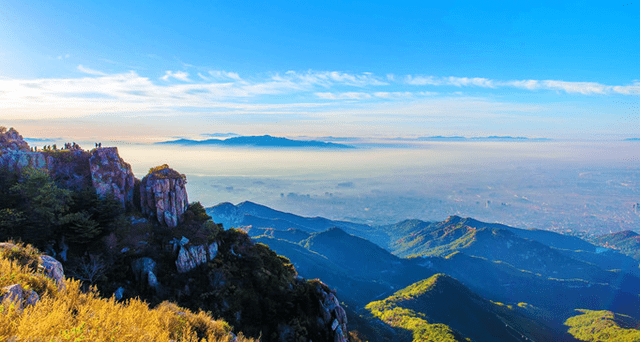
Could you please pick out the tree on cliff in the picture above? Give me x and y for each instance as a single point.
(44, 203)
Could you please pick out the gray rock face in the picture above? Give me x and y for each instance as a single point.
(163, 196)
(143, 269)
(333, 315)
(111, 175)
(190, 257)
(72, 167)
(18, 160)
(12, 140)
(53, 269)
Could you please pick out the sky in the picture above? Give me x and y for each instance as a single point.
(145, 71)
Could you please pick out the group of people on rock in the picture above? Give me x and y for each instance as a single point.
(72, 146)
(67, 146)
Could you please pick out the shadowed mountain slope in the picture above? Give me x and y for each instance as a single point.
(424, 307)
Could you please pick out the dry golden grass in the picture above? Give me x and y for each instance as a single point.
(71, 315)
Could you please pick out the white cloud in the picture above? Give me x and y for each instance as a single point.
(330, 78)
(450, 81)
(90, 71)
(393, 95)
(97, 92)
(221, 74)
(584, 88)
(343, 96)
(178, 75)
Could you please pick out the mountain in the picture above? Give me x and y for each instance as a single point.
(440, 308)
(259, 141)
(256, 215)
(550, 254)
(489, 138)
(358, 269)
(626, 242)
(547, 273)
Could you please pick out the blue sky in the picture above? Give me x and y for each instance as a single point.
(111, 69)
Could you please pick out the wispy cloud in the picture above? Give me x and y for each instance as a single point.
(178, 75)
(90, 71)
(218, 90)
(450, 81)
(343, 96)
(330, 78)
(584, 88)
(221, 74)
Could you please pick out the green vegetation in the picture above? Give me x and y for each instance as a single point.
(626, 242)
(415, 323)
(164, 171)
(603, 326)
(38, 210)
(255, 290)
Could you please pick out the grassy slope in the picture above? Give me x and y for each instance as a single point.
(603, 326)
(71, 314)
(442, 309)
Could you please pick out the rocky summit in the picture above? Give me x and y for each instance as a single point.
(111, 175)
(163, 195)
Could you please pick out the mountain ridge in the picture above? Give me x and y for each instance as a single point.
(258, 141)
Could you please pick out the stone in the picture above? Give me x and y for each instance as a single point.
(20, 296)
(339, 335)
(119, 293)
(191, 257)
(143, 269)
(163, 196)
(111, 175)
(53, 269)
(13, 293)
(12, 140)
(31, 297)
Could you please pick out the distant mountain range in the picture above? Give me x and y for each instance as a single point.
(259, 141)
(386, 274)
(489, 138)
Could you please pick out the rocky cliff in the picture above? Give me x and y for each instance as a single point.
(111, 175)
(163, 196)
(71, 167)
(15, 153)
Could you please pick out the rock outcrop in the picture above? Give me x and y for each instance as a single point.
(15, 153)
(163, 196)
(143, 269)
(72, 167)
(12, 140)
(111, 175)
(191, 257)
(333, 315)
(53, 269)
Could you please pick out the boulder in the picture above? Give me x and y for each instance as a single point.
(111, 175)
(16, 294)
(163, 196)
(143, 269)
(53, 269)
(190, 257)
